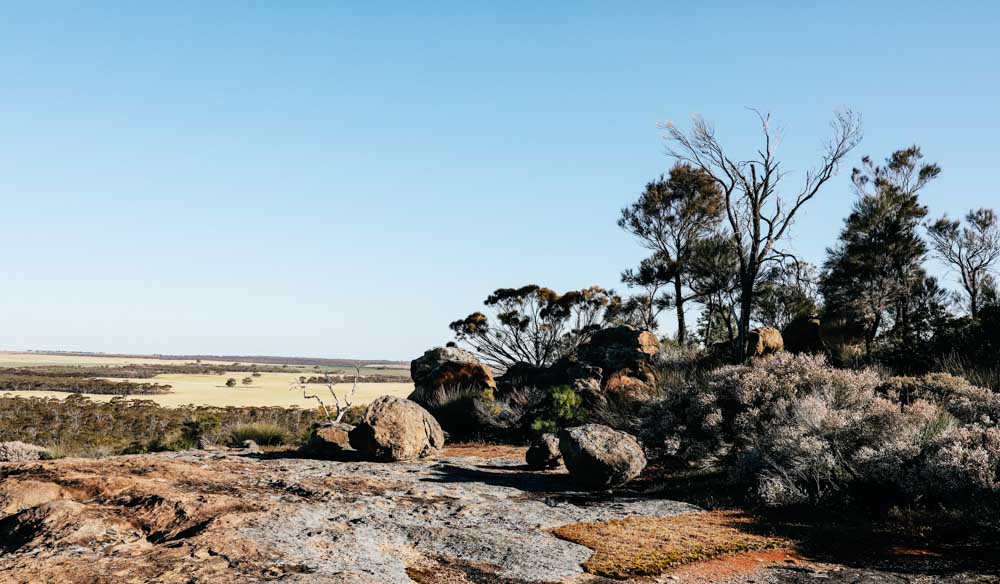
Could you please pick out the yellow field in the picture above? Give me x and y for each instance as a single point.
(270, 389)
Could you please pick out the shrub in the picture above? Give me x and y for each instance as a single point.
(462, 411)
(798, 431)
(965, 401)
(19, 452)
(79, 426)
(562, 407)
(192, 431)
(263, 434)
(231, 382)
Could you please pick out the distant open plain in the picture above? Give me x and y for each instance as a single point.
(268, 389)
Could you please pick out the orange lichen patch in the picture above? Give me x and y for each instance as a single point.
(622, 384)
(906, 551)
(485, 450)
(732, 566)
(464, 375)
(648, 546)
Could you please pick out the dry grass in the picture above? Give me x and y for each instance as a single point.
(267, 390)
(485, 450)
(648, 546)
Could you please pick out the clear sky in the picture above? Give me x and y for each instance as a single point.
(343, 179)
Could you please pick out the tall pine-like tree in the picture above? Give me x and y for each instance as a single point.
(870, 277)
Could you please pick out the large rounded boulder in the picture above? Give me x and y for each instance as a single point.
(394, 429)
(599, 457)
(764, 341)
(449, 367)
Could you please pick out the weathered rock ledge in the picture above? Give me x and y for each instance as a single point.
(235, 517)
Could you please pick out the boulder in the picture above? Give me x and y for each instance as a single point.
(544, 452)
(618, 359)
(456, 388)
(623, 384)
(599, 457)
(764, 341)
(450, 367)
(621, 348)
(803, 335)
(395, 429)
(329, 440)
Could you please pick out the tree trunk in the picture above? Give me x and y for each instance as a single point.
(974, 302)
(746, 309)
(679, 303)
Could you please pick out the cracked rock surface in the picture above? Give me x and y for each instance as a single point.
(234, 517)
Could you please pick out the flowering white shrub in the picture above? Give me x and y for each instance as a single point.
(800, 431)
(21, 451)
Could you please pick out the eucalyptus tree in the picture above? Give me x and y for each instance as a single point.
(971, 249)
(533, 324)
(670, 216)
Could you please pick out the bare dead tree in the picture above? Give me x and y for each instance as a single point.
(757, 209)
(340, 410)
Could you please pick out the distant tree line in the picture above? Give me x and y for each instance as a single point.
(25, 379)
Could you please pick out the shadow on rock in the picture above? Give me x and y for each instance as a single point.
(510, 476)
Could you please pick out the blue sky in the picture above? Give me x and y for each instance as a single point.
(343, 178)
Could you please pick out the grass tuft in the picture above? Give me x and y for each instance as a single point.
(263, 434)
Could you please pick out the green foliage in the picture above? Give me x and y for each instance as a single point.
(193, 430)
(38, 379)
(875, 272)
(354, 414)
(786, 292)
(264, 434)
(562, 407)
(535, 325)
(670, 218)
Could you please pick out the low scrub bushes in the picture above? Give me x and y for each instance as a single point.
(264, 434)
(561, 407)
(33, 380)
(799, 431)
(462, 411)
(79, 426)
(19, 452)
(471, 413)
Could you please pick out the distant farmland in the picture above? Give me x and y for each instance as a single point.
(269, 387)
